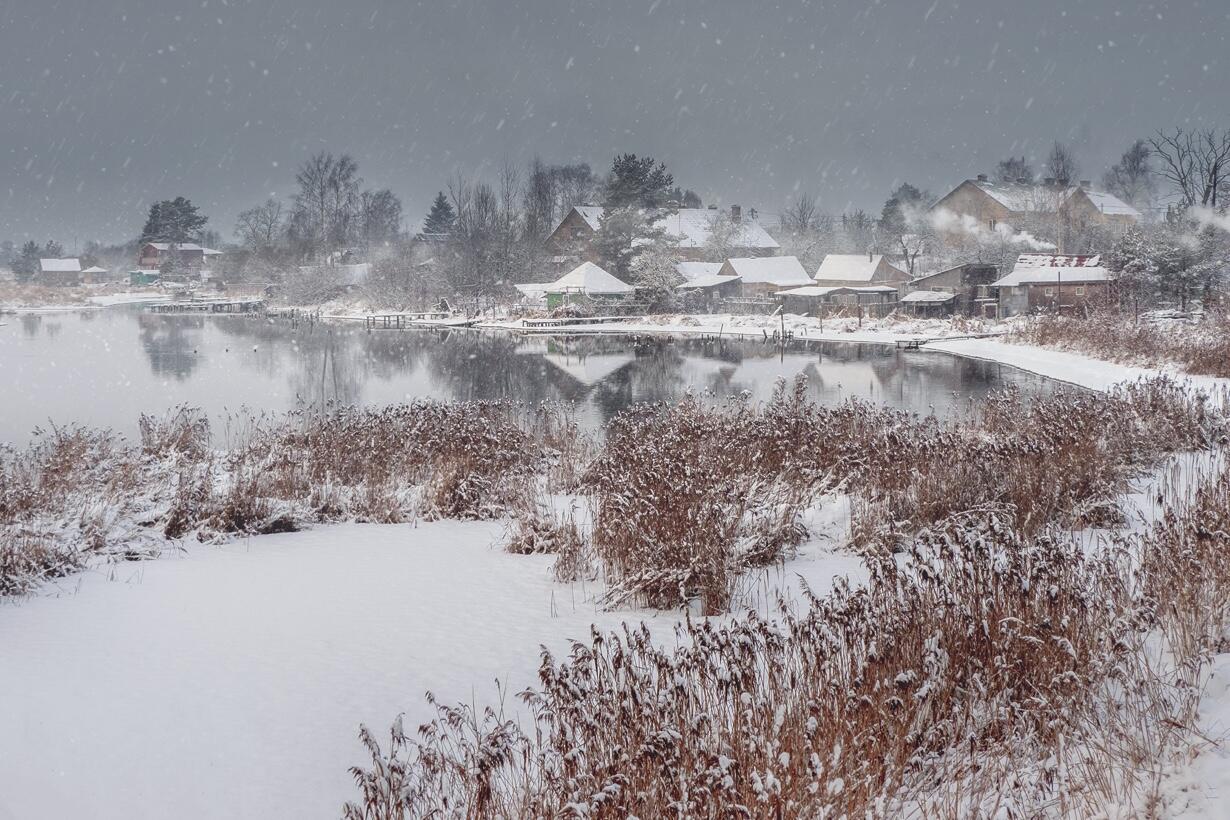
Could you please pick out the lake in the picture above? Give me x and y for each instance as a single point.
(104, 368)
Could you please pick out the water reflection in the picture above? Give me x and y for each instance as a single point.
(106, 369)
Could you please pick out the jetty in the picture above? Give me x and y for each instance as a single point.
(208, 306)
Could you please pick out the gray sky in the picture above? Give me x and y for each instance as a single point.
(106, 105)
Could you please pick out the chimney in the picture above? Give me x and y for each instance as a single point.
(736, 213)
(869, 257)
(982, 177)
(1085, 183)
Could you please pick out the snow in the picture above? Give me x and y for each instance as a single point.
(59, 265)
(1047, 268)
(592, 214)
(128, 298)
(1110, 204)
(782, 271)
(698, 270)
(585, 278)
(848, 267)
(708, 282)
(927, 296)
(693, 227)
(231, 682)
(183, 246)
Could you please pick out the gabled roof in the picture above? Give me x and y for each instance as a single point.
(713, 281)
(1032, 197)
(183, 246)
(825, 290)
(850, 267)
(783, 271)
(697, 270)
(94, 269)
(59, 265)
(692, 227)
(927, 296)
(589, 279)
(1110, 204)
(1049, 268)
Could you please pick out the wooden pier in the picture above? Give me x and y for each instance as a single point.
(208, 306)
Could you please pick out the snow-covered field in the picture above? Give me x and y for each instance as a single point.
(230, 681)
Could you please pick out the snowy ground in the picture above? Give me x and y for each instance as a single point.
(230, 682)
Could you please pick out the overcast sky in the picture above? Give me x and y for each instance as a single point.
(106, 105)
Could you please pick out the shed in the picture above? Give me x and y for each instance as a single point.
(928, 302)
(766, 274)
(859, 270)
(59, 271)
(1052, 281)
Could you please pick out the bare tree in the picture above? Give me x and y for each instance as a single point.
(260, 228)
(326, 204)
(1131, 178)
(379, 218)
(1061, 165)
(800, 215)
(1196, 163)
(1014, 169)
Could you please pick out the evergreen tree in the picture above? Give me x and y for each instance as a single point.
(173, 220)
(638, 182)
(441, 218)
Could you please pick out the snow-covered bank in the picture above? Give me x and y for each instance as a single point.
(231, 682)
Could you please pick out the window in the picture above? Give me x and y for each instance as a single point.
(1050, 291)
(1080, 291)
(991, 224)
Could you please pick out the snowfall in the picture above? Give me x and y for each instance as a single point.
(230, 681)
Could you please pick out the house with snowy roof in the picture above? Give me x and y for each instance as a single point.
(859, 270)
(1052, 281)
(585, 281)
(765, 275)
(691, 229)
(188, 256)
(59, 271)
(982, 204)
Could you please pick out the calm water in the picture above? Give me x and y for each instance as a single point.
(105, 368)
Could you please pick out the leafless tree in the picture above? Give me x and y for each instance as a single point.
(1196, 163)
(260, 228)
(326, 204)
(1061, 164)
(379, 218)
(800, 215)
(1014, 169)
(1132, 178)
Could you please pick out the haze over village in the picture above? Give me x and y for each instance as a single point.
(666, 409)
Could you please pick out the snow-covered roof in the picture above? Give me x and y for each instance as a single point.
(1048, 268)
(591, 369)
(783, 271)
(94, 269)
(183, 246)
(848, 267)
(1033, 197)
(533, 291)
(711, 281)
(928, 296)
(697, 270)
(589, 279)
(59, 265)
(692, 227)
(810, 290)
(592, 214)
(1110, 204)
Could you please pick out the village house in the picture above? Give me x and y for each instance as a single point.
(765, 275)
(585, 282)
(189, 257)
(822, 300)
(1042, 281)
(691, 228)
(968, 287)
(66, 272)
(704, 282)
(857, 270)
(1044, 208)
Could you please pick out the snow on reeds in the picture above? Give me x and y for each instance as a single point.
(688, 496)
(1200, 348)
(981, 672)
(76, 493)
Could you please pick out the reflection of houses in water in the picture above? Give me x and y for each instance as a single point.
(171, 343)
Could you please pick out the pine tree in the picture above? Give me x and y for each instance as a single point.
(173, 220)
(440, 219)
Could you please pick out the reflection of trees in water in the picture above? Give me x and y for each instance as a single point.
(478, 365)
(171, 343)
(30, 324)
